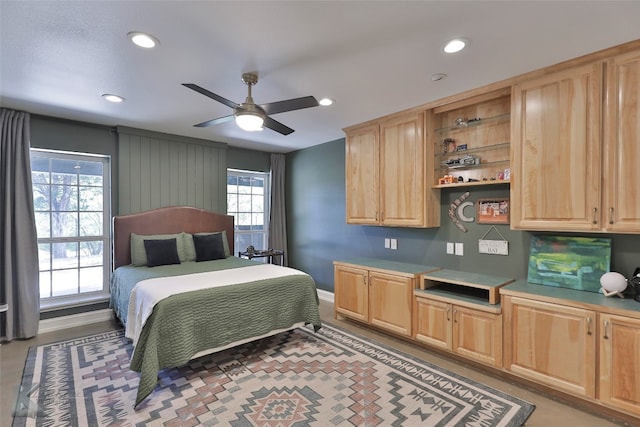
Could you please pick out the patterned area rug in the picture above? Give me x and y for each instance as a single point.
(296, 378)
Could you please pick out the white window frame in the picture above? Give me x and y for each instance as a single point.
(267, 207)
(87, 297)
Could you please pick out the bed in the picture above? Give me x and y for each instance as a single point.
(178, 309)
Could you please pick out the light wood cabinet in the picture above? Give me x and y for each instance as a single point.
(460, 312)
(362, 175)
(621, 176)
(619, 379)
(386, 173)
(472, 333)
(471, 140)
(552, 344)
(351, 292)
(555, 157)
(390, 302)
(576, 141)
(378, 295)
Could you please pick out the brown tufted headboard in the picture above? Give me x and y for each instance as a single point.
(169, 220)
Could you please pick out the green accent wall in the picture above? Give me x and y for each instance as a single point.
(318, 233)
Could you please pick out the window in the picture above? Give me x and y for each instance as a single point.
(72, 209)
(248, 197)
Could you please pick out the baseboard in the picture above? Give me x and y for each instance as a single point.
(326, 296)
(74, 320)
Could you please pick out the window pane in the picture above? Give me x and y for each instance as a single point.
(71, 198)
(248, 203)
(43, 228)
(45, 284)
(65, 255)
(91, 223)
(244, 185)
(232, 202)
(64, 198)
(91, 279)
(244, 203)
(243, 219)
(64, 224)
(91, 253)
(44, 256)
(39, 170)
(257, 204)
(91, 198)
(41, 197)
(64, 282)
(257, 219)
(63, 171)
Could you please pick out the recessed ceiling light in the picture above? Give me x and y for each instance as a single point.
(112, 98)
(325, 101)
(455, 45)
(143, 40)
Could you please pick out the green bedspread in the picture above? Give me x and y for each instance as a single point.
(185, 324)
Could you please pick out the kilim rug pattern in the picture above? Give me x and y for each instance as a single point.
(296, 378)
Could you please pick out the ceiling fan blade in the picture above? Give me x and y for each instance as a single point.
(277, 126)
(210, 94)
(219, 120)
(289, 105)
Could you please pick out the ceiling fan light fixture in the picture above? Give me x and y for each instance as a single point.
(250, 121)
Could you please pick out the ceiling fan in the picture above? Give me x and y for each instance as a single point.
(251, 116)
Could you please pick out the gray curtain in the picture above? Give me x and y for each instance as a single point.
(19, 287)
(278, 220)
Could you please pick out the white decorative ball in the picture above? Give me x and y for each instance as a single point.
(613, 282)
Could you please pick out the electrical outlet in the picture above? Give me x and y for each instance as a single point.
(450, 248)
(394, 244)
(387, 242)
(460, 249)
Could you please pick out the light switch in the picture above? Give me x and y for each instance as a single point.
(394, 244)
(387, 243)
(459, 249)
(450, 248)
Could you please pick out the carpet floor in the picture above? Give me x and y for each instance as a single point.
(296, 378)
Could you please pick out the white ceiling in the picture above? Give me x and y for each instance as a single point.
(372, 57)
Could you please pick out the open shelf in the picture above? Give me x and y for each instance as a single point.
(473, 184)
(481, 121)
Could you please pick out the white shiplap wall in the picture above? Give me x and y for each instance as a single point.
(157, 170)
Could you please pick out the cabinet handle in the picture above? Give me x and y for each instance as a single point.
(448, 311)
(376, 215)
(606, 325)
(611, 215)
(364, 279)
(588, 325)
(595, 212)
(455, 312)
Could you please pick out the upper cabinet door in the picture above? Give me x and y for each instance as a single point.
(402, 170)
(622, 145)
(361, 158)
(556, 173)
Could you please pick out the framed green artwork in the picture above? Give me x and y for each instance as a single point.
(569, 262)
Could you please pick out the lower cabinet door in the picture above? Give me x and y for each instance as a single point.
(478, 335)
(432, 323)
(351, 292)
(390, 302)
(552, 344)
(619, 339)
